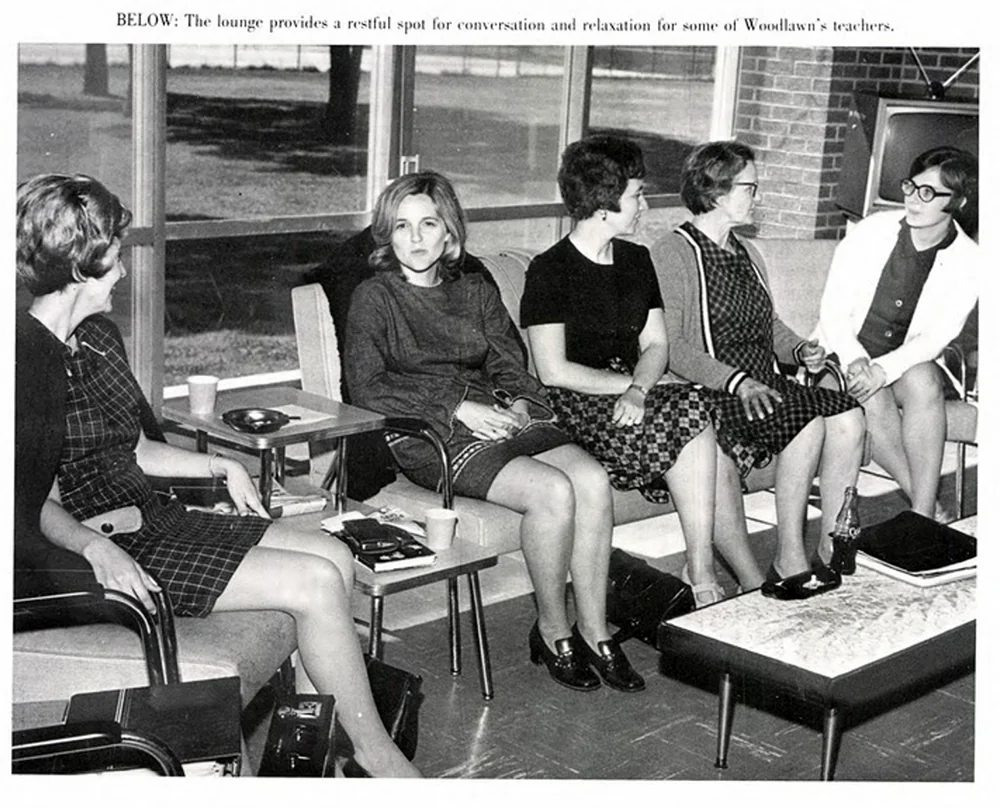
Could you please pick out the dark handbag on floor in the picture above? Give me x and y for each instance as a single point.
(397, 696)
(641, 598)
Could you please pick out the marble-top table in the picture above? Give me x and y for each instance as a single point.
(871, 637)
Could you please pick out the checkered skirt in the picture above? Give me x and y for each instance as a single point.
(192, 554)
(741, 317)
(635, 456)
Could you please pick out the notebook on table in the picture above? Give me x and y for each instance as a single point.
(912, 548)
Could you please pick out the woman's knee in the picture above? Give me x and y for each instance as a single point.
(553, 495)
(920, 385)
(590, 479)
(319, 584)
(847, 427)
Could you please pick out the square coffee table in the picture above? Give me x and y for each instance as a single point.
(317, 418)
(870, 638)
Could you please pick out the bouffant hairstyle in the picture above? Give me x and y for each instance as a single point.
(445, 200)
(709, 171)
(594, 172)
(960, 175)
(66, 225)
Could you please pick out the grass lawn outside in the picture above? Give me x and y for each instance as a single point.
(246, 143)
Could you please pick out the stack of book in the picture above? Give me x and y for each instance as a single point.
(917, 550)
(378, 544)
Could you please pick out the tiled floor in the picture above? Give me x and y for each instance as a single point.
(538, 730)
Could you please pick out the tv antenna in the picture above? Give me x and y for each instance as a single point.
(937, 89)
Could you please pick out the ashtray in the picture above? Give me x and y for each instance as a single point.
(256, 421)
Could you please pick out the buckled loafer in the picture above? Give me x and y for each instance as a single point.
(814, 581)
(565, 665)
(610, 662)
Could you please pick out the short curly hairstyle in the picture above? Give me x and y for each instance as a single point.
(66, 226)
(709, 171)
(960, 175)
(445, 200)
(594, 172)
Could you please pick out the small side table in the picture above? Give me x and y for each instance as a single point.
(462, 558)
(320, 418)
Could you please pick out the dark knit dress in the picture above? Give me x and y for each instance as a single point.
(740, 331)
(192, 554)
(423, 351)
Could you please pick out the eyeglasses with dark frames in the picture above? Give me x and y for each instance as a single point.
(751, 185)
(925, 193)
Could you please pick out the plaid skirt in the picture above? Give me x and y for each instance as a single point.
(754, 443)
(192, 554)
(635, 456)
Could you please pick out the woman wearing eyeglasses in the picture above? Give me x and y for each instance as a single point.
(724, 334)
(899, 290)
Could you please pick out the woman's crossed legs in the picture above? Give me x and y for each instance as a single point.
(311, 578)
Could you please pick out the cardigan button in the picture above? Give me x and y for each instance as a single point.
(899, 304)
(107, 528)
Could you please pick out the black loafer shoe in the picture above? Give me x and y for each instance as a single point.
(565, 666)
(610, 662)
(814, 581)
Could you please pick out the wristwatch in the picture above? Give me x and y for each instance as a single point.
(639, 387)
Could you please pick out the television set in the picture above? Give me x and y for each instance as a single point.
(884, 135)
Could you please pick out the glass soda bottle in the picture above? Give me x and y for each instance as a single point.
(845, 534)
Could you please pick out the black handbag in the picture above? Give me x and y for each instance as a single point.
(397, 697)
(641, 598)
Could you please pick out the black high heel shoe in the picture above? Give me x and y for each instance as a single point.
(565, 666)
(610, 662)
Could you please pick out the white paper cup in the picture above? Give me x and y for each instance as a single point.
(201, 394)
(441, 524)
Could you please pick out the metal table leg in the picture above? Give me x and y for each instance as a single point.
(340, 492)
(831, 741)
(454, 631)
(375, 628)
(479, 630)
(266, 476)
(279, 464)
(725, 719)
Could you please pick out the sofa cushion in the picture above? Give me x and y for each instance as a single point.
(55, 663)
(796, 271)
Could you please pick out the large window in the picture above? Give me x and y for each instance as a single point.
(254, 132)
(73, 117)
(660, 97)
(270, 155)
(488, 118)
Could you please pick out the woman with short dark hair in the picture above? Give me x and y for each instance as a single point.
(425, 340)
(69, 232)
(899, 290)
(725, 335)
(594, 316)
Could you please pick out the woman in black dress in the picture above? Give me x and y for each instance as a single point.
(594, 316)
(725, 335)
(69, 231)
(425, 339)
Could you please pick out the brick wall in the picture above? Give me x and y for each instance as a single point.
(792, 106)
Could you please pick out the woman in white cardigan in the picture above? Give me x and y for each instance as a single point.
(899, 290)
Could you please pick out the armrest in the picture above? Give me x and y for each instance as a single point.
(85, 739)
(957, 353)
(156, 632)
(417, 428)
